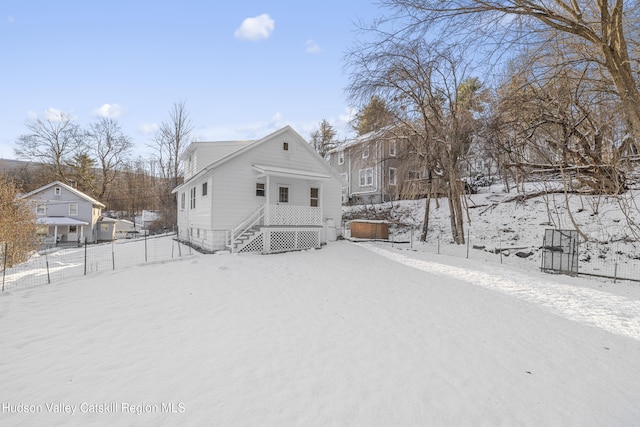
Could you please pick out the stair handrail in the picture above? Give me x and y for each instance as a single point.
(252, 219)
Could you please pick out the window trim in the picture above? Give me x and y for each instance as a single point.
(393, 149)
(315, 199)
(366, 177)
(393, 175)
(183, 200)
(192, 199)
(262, 190)
(205, 189)
(73, 212)
(341, 157)
(41, 209)
(280, 194)
(365, 151)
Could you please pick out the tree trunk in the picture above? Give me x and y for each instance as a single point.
(425, 223)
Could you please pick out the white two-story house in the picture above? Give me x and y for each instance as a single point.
(268, 195)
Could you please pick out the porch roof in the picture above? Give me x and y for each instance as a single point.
(264, 170)
(59, 220)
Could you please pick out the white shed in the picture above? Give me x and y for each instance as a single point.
(269, 195)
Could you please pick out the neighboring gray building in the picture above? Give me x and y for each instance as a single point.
(65, 214)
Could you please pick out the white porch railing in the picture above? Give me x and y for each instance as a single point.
(253, 219)
(292, 215)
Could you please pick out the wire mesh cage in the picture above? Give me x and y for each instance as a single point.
(560, 252)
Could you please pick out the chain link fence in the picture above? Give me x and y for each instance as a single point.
(55, 263)
(614, 261)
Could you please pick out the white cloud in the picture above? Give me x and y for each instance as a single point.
(312, 46)
(148, 128)
(109, 111)
(257, 28)
(55, 115)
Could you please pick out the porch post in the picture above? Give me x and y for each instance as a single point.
(267, 200)
(321, 200)
(82, 233)
(55, 234)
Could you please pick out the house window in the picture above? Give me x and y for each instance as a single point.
(341, 157)
(73, 209)
(193, 198)
(314, 197)
(182, 200)
(365, 151)
(413, 175)
(41, 209)
(283, 194)
(345, 176)
(285, 146)
(204, 189)
(73, 229)
(366, 177)
(57, 191)
(392, 148)
(260, 189)
(104, 227)
(393, 176)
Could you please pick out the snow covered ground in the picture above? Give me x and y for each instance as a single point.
(500, 220)
(348, 335)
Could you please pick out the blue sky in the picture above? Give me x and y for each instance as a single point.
(243, 68)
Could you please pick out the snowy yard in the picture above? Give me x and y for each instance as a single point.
(349, 335)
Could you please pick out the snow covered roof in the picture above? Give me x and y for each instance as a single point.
(367, 137)
(68, 188)
(59, 220)
(288, 172)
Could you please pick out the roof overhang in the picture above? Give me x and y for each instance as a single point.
(59, 220)
(289, 173)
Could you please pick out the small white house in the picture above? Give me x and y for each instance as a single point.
(269, 195)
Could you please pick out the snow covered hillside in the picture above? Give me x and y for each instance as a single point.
(511, 221)
(348, 335)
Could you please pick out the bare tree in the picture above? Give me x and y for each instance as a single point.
(170, 141)
(17, 225)
(53, 141)
(599, 31)
(111, 148)
(424, 89)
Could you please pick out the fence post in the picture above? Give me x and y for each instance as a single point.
(46, 257)
(411, 239)
(85, 256)
(468, 239)
(4, 267)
